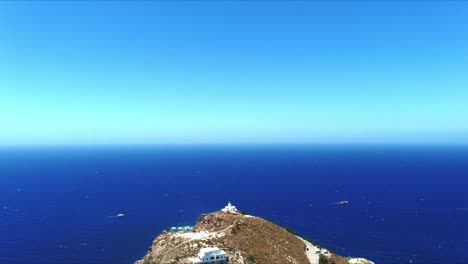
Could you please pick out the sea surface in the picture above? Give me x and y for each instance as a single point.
(407, 204)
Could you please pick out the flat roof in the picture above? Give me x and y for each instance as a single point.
(209, 249)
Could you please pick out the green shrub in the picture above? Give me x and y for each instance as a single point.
(290, 230)
(236, 228)
(323, 259)
(251, 258)
(234, 231)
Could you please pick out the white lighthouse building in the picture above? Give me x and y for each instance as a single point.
(229, 208)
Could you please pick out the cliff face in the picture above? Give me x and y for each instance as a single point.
(245, 239)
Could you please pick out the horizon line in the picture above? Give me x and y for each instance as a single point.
(243, 143)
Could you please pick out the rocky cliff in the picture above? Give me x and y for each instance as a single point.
(245, 239)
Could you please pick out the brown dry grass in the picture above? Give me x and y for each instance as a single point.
(253, 239)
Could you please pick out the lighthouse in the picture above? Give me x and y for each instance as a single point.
(229, 208)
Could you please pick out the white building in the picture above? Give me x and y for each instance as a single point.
(211, 255)
(229, 208)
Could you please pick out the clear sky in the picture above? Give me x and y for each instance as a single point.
(226, 72)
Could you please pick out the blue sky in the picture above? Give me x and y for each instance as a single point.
(230, 72)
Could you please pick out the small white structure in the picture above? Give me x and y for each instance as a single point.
(211, 255)
(181, 228)
(229, 208)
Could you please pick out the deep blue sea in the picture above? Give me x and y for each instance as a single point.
(407, 204)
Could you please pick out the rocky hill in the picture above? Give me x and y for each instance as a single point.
(244, 238)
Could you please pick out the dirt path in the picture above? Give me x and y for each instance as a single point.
(313, 258)
(208, 235)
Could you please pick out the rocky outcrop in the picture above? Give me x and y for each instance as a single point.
(246, 239)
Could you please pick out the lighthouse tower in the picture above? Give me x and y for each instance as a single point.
(229, 208)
